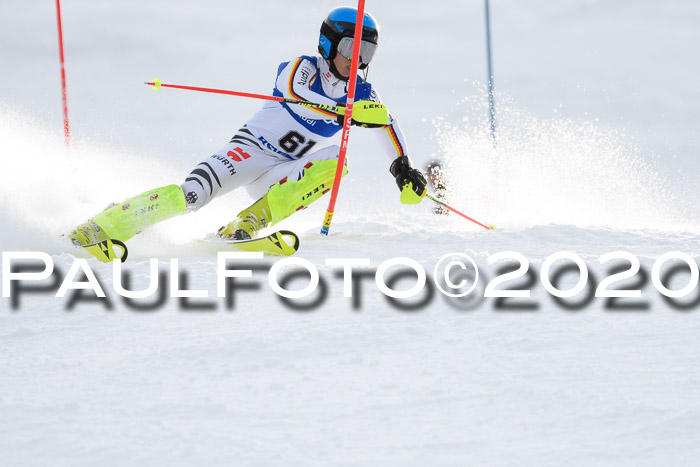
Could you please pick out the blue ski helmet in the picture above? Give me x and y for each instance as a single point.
(340, 24)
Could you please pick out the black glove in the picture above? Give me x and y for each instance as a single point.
(409, 180)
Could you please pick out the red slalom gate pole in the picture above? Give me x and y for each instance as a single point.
(357, 39)
(66, 126)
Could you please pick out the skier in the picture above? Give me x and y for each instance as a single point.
(284, 154)
(436, 179)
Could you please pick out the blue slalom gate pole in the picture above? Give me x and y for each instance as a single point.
(492, 104)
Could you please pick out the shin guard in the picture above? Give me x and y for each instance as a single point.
(124, 220)
(287, 197)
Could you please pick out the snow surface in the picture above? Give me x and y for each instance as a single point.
(598, 132)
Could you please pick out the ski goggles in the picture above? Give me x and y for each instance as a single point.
(367, 49)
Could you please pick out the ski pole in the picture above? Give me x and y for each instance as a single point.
(156, 83)
(352, 82)
(487, 227)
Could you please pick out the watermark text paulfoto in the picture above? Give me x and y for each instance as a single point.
(507, 281)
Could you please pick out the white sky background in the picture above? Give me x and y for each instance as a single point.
(631, 65)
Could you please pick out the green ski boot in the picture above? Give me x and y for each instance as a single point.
(249, 221)
(282, 200)
(88, 233)
(124, 220)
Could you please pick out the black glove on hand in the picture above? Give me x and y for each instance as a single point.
(409, 180)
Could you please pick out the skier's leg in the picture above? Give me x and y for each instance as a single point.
(232, 166)
(285, 189)
(124, 220)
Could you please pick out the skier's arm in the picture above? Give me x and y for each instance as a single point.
(390, 136)
(294, 82)
(391, 139)
(410, 181)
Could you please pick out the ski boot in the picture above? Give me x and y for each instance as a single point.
(121, 221)
(249, 221)
(88, 233)
(282, 200)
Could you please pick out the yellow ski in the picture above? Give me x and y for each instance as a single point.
(280, 243)
(105, 252)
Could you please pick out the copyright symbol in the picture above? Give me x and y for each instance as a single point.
(458, 272)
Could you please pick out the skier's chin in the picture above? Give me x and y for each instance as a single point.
(344, 72)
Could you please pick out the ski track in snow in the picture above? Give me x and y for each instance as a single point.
(250, 380)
